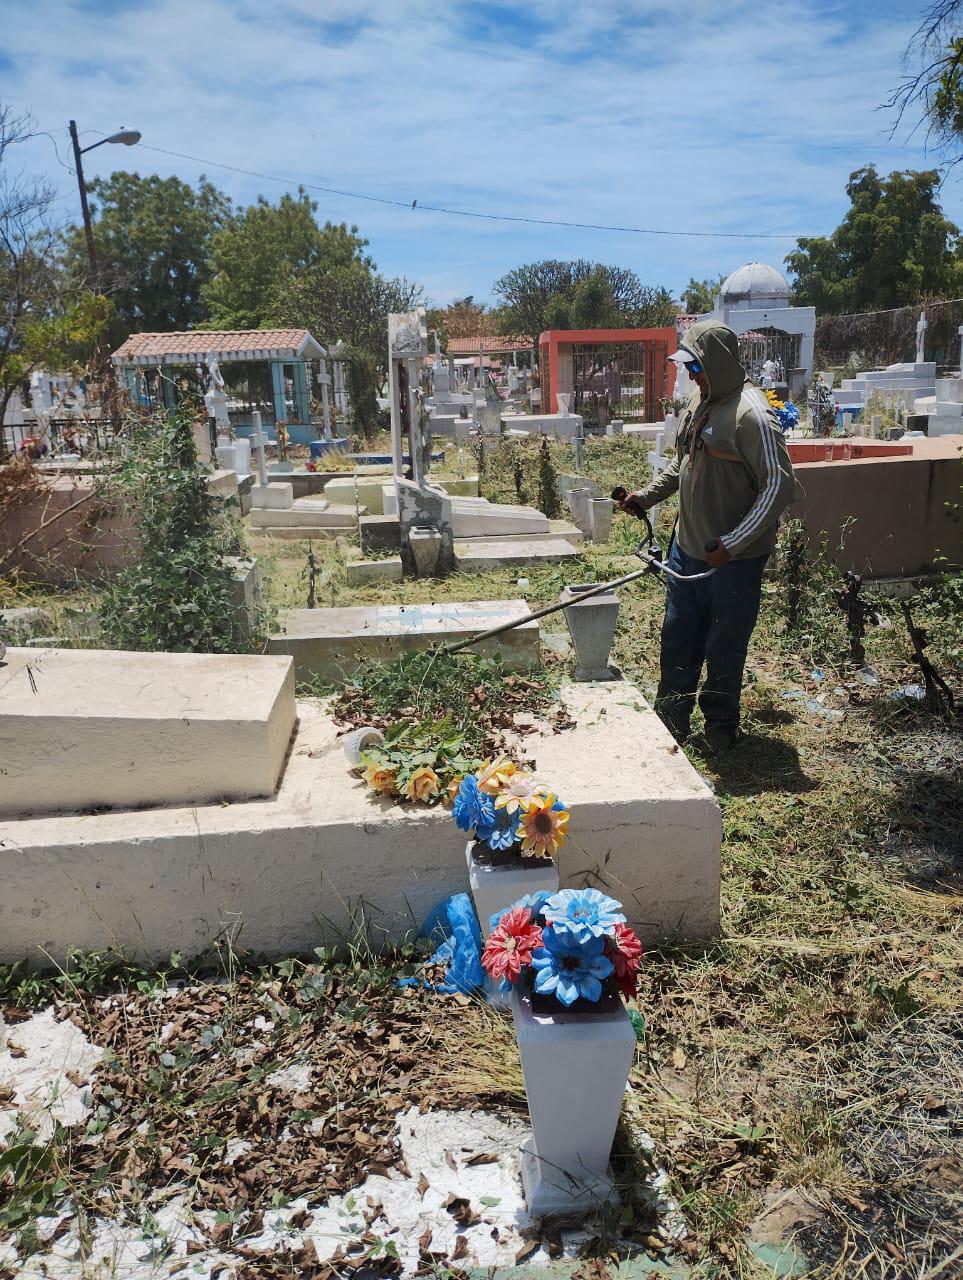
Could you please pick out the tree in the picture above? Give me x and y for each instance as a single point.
(258, 250)
(700, 295)
(534, 295)
(463, 318)
(348, 303)
(893, 247)
(937, 88)
(154, 238)
(44, 321)
(177, 595)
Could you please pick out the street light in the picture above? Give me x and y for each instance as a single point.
(126, 138)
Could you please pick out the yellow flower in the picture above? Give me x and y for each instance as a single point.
(382, 778)
(543, 828)
(492, 777)
(424, 784)
(520, 791)
(453, 788)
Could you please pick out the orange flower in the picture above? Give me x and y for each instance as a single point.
(424, 784)
(543, 828)
(492, 777)
(382, 778)
(453, 788)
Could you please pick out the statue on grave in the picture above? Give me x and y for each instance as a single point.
(920, 337)
(216, 401)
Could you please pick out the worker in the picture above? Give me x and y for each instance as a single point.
(734, 479)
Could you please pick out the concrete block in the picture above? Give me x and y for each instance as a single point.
(307, 513)
(379, 533)
(481, 554)
(276, 495)
(493, 888)
(86, 728)
(476, 518)
(600, 518)
(329, 644)
(575, 1063)
(245, 590)
(291, 869)
(361, 571)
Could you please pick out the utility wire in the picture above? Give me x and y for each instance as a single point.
(418, 207)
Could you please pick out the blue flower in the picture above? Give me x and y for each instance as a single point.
(533, 901)
(583, 912)
(473, 810)
(504, 833)
(568, 967)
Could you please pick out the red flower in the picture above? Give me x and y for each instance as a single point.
(625, 952)
(509, 947)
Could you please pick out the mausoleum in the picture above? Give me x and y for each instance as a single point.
(275, 372)
(755, 302)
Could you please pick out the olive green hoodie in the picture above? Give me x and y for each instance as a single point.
(732, 468)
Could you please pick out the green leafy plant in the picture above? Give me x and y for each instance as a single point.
(177, 595)
(549, 502)
(419, 762)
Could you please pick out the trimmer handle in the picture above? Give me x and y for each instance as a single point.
(713, 545)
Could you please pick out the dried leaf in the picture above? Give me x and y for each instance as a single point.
(526, 1251)
(423, 1185)
(461, 1248)
(483, 1157)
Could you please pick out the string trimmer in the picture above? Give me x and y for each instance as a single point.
(648, 550)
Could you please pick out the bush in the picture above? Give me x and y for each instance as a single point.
(177, 596)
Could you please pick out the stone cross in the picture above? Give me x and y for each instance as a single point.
(658, 462)
(258, 441)
(960, 332)
(920, 337)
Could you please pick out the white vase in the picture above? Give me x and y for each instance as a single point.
(575, 1063)
(494, 888)
(359, 740)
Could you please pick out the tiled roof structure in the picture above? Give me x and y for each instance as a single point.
(489, 343)
(226, 344)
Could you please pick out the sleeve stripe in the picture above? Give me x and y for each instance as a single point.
(764, 502)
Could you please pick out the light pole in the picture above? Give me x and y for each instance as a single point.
(127, 138)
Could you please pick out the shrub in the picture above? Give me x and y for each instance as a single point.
(177, 595)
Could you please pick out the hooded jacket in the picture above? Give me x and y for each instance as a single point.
(731, 467)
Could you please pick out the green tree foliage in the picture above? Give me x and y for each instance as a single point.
(259, 250)
(349, 302)
(176, 597)
(463, 318)
(893, 248)
(153, 238)
(700, 295)
(43, 319)
(537, 296)
(935, 91)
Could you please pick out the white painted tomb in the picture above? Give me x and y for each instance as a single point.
(291, 869)
(86, 728)
(328, 644)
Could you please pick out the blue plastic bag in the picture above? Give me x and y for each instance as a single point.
(455, 927)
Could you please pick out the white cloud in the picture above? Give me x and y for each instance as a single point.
(742, 117)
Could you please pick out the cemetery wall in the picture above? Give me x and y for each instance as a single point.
(899, 506)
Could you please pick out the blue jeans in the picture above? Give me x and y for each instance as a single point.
(707, 622)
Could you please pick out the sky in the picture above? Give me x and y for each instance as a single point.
(727, 116)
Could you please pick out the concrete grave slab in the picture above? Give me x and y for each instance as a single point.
(476, 518)
(277, 495)
(305, 513)
(86, 728)
(481, 554)
(328, 644)
(291, 870)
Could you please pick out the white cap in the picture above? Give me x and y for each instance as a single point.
(683, 357)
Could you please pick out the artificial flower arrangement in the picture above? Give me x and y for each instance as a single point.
(571, 945)
(511, 813)
(787, 414)
(418, 762)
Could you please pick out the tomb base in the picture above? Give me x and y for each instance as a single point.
(288, 872)
(495, 887)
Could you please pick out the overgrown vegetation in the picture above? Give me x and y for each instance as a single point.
(177, 595)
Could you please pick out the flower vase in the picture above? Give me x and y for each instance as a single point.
(576, 1063)
(496, 885)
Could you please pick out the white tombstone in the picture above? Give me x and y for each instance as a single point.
(215, 399)
(658, 462)
(921, 327)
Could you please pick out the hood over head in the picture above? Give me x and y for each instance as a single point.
(716, 348)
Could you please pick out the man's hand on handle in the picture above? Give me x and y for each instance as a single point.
(716, 554)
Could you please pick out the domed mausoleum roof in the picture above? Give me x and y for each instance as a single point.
(755, 282)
